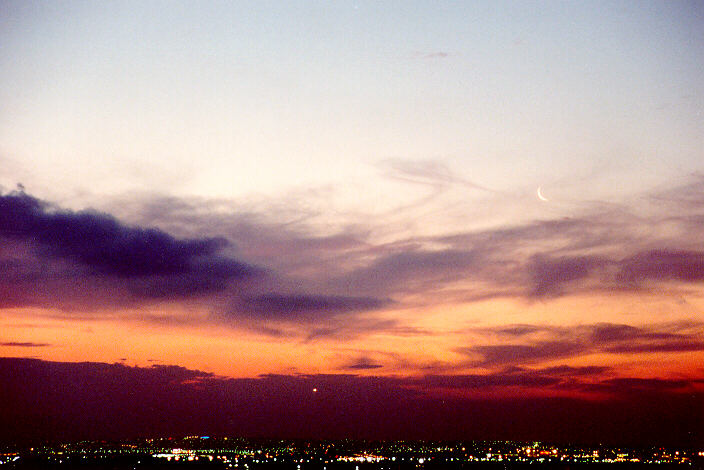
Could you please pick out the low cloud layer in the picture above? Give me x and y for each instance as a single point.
(55, 400)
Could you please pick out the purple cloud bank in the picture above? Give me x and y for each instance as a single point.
(93, 258)
(289, 279)
(101, 242)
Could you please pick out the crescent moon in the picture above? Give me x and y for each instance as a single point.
(541, 197)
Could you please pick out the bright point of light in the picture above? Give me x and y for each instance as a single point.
(315, 389)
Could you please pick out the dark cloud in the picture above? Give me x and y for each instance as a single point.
(523, 354)
(348, 327)
(474, 381)
(99, 245)
(575, 371)
(613, 332)
(363, 366)
(608, 332)
(52, 400)
(363, 363)
(295, 306)
(616, 338)
(553, 276)
(410, 270)
(567, 342)
(629, 385)
(671, 346)
(25, 344)
(100, 241)
(517, 330)
(308, 317)
(556, 376)
(659, 265)
(550, 274)
(276, 236)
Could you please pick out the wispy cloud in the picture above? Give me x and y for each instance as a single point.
(437, 55)
(433, 173)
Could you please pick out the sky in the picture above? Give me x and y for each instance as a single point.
(468, 213)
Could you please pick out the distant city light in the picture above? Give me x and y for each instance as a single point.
(252, 453)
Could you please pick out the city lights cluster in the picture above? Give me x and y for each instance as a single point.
(239, 453)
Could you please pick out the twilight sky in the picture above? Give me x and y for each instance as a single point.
(260, 198)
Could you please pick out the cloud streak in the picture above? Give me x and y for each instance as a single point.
(295, 306)
(566, 342)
